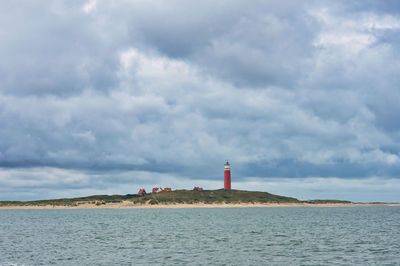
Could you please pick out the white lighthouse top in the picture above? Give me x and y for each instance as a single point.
(227, 166)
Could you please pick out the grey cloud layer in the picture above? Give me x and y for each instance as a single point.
(282, 89)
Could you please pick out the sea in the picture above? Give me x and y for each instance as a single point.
(361, 235)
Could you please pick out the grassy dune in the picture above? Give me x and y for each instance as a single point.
(213, 196)
(331, 201)
(170, 197)
(96, 199)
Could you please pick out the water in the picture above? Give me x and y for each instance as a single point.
(248, 236)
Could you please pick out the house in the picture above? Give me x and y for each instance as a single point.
(142, 192)
(160, 189)
(198, 188)
(157, 189)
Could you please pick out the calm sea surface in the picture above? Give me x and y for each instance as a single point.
(248, 236)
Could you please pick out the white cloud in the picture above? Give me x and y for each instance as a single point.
(32, 178)
(363, 190)
(44, 183)
(353, 33)
(89, 6)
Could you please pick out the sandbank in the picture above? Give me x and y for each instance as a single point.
(130, 205)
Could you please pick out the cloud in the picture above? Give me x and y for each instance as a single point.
(47, 182)
(355, 189)
(89, 6)
(283, 90)
(52, 48)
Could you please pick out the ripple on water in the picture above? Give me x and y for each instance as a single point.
(237, 236)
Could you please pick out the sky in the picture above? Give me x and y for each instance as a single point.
(106, 97)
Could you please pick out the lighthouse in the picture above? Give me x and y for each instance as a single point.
(227, 176)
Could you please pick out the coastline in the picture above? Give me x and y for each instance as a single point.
(129, 205)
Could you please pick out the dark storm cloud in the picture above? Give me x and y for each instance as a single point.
(257, 44)
(166, 92)
(49, 47)
(380, 7)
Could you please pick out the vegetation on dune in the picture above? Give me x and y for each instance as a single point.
(171, 197)
(331, 201)
(212, 196)
(96, 199)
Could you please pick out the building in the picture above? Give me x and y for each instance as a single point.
(198, 188)
(160, 189)
(156, 189)
(227, 176)
(142, 192)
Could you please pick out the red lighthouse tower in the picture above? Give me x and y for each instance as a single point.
(227, 176)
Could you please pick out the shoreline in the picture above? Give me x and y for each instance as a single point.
(129, 205)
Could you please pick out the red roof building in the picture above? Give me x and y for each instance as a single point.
(142, 192)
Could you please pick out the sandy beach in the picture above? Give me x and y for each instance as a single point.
(129, 205)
